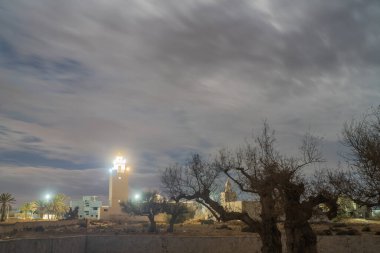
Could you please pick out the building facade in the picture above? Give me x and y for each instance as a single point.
(228, 199)
(88, 207)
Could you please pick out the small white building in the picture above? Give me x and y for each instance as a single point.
(89, 207)
(375, 212)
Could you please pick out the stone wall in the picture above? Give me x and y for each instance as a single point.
(176, 244)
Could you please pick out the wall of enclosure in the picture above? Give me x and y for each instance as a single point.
(176, 244)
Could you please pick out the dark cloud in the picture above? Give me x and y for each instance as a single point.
(31, 139)
(159, 80)
(63, 70)
(41, 159)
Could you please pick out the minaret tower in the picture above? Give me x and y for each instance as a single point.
(228, 195)
(118, 186)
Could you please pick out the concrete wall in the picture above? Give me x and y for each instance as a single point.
(349, 244)
(172, 244)
(176, 244)
(73, 244)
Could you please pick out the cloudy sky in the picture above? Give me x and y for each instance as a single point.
(160, 79)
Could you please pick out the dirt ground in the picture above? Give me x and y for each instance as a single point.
(355, 227)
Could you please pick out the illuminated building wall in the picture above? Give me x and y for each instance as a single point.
(89, 207)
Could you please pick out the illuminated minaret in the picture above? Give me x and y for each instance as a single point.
(118, 186)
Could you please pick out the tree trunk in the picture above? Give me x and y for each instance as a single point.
(270, 237)
(269, 233)
(300, 238)
(152, 225)
(3, 214)
(171, 227)
(171, 223)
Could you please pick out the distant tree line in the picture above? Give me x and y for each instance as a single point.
(55, 208)
(151, 203)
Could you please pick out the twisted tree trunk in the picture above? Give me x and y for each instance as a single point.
(300, 238)
(152, 223)
(171, 223)
(269, 233)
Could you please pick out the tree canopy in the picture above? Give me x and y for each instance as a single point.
(362, 138)
(257, 168)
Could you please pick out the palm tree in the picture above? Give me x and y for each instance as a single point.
(40, 207)
(6, 200)
(58, 205)
(28, 209)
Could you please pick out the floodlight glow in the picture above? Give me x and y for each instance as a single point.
(47, 196)
(119, 159)
(137, 196)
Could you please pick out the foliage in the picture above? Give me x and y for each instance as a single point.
(41, 207)
(28, 209)
(177, 212)
(56, 207)
(59, 205)
(150, 204)
(346, 207)
(72, 214)
(6, 201)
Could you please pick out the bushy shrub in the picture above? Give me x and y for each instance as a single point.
(339, 225)
(348, 232)
(366, 228)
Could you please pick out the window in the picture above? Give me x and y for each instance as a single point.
(105, 210)
(94, 208)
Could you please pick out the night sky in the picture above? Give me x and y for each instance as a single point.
(159, 80)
